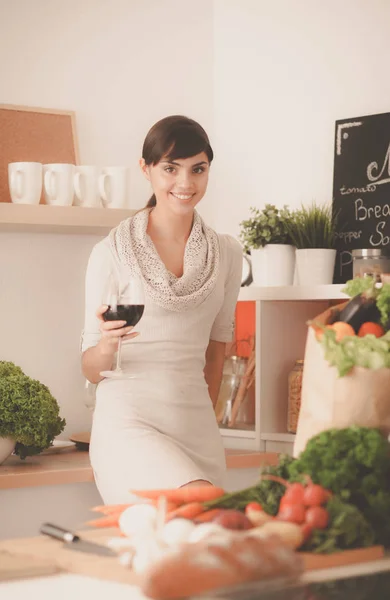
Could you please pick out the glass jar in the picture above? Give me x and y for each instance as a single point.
(370, 262)
(294, 396)
(227, 393)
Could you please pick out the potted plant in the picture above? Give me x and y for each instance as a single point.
(266, 235)
(29, 414)
(312, 230)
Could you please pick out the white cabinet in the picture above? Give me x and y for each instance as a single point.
(281, 328)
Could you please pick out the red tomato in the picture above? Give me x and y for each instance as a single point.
(306, 532)
(371, 328)
(253, 506)
(294, 493)
(315, 495)
(317, 517)
(293, 513)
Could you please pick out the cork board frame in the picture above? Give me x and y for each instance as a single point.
(33, 134)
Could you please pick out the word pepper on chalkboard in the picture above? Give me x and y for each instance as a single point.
(361, 188)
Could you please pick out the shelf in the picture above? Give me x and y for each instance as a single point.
(292, 292)
(243, 433)
(278, 437)
(60, 219)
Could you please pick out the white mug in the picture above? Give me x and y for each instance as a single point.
(25, 182)
(86, 186)
(113, 185)
(58, 184)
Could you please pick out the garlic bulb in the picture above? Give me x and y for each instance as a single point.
(138, 518)
(177, 531)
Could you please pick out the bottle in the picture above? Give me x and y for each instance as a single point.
(294, 396)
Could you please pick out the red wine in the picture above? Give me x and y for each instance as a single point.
(131, 313)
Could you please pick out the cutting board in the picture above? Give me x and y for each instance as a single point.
(21, 566)
(81, 439)
(60, 557)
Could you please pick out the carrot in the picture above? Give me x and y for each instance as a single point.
(183, 495)
(107, 521)
(109, 509)
(186, 511)
(208, 515)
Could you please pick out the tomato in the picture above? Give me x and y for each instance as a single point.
(371, 328)
(307, 530)
(317, 517)
(253, 506)
(293, 513)
(315, 495)
(342, 330)
(294, 494)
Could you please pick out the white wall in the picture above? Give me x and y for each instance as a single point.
(266, 79)
(284, 71)
(121, 65)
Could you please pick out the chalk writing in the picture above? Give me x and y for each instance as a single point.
(372, 167)
(356, 190)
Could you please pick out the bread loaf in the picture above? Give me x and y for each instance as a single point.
(218, 562)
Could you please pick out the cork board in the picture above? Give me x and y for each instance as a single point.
(30, 134)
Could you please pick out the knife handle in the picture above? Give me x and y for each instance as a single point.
(58, 533)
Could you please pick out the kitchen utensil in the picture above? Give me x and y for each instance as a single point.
(74, 542)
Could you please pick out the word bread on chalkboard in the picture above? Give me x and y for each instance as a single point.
(361, 188)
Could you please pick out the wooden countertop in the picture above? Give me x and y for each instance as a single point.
(73, 466)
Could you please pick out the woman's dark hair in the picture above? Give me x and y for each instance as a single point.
(172, 138)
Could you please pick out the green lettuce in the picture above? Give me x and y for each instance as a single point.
(369, 351)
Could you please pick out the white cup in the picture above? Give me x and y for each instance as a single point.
(113, 186)
(58, 184)
(86, 186)
(25, 182)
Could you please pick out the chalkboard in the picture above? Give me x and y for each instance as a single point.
(361, 188)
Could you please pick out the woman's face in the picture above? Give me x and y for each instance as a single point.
(180, 184)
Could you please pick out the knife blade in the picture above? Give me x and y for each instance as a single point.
(75, 542)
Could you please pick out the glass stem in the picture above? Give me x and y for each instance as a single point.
(118, 355)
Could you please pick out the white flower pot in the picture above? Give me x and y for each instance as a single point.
(273, 265)
(7, 446)
(315, 266)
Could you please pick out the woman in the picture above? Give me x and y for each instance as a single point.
(158, 430)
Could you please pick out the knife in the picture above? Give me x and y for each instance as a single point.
(74, 542)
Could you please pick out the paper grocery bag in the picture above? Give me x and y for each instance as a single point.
(329, 401)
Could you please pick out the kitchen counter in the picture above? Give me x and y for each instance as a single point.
(73, 466)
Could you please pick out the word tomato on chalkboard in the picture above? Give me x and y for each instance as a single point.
(361, 188)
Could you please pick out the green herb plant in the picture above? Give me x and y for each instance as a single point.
(29, 414)
(353, 463)
(267, 226)
(313, 227)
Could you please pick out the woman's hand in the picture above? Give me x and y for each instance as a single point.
(111, 332)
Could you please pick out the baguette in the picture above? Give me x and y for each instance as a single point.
(218, 562)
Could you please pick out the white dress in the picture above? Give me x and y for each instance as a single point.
(159, 430)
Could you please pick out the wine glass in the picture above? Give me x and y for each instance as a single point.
(126, 302)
